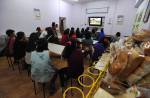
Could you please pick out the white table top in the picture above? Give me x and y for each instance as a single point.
(101, 93)
(55, 48)
(80, 40)
(95, 41)
(100, 65)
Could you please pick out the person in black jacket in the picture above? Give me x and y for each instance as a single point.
(20, 46)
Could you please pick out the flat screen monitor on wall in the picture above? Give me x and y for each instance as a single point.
(95, 21)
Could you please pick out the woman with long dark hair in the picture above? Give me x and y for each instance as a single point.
(42, 70)
(20, 46)
(31, 46)
(65, 37)
(74, 57)
(72, 34)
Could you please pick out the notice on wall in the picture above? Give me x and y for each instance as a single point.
(120, 19)
(37, 13)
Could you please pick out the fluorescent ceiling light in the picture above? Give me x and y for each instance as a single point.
(75, 0)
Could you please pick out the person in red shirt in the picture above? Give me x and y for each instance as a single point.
(74, 57)
(65, 37)
(10, 43)
(72, 34)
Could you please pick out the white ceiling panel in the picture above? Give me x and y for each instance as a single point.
(82, 1)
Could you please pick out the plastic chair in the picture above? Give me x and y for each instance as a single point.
(10, 62)
(71, 82)
(43, 88)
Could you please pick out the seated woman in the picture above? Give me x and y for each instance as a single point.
(31, 46)
(94, 33)
(82, 33)
(72, 34)
(38, 31)
(51, 35)
(88, 40)
(99, 49)
(117, 37)
(42, 70)
(9, 52)
(74, 57)
(65, 37)
(20, 46)
(87, 44)
(78, 33)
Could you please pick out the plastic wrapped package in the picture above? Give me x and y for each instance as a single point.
(139, 91)
(112, 49)
(119, 63)
(144, 91)
(129, 42)
(142, 71)
(139, 50)
(134, 61)
(144, 35)
(147, 48)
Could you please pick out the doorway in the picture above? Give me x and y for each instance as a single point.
(62, 24)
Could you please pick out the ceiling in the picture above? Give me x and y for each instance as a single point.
(82, 1)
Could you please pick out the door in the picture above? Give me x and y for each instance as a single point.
(62, 24)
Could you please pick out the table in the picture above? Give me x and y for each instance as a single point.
(104, 60)
(126, 95)
(55, 48)
(101, 93)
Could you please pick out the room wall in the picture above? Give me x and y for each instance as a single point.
(109, 15)
(128, 10)
(77, 16)
(18, 14)
(116, 7)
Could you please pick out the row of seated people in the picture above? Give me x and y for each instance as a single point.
(16, 45)
(37, 58)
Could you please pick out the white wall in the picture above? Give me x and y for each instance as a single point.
(18, 14)
(98, 4)
(77, 16)
(116, 7)
(126, 8)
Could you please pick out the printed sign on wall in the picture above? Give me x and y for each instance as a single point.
(37, 14)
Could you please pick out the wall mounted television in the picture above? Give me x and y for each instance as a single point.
(95, 21)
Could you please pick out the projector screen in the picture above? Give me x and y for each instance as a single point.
(95, 21)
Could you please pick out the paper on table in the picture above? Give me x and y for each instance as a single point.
(55, 48)
(95, 41)
(80, 40)
(103, 61)
(99, 65)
